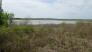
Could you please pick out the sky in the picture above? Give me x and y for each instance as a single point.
(62, 9)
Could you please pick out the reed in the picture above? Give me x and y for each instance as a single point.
(45, 38)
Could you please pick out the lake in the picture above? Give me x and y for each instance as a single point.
(36, 22)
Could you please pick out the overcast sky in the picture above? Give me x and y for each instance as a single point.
(80, 9)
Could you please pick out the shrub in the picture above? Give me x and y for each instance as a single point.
(5, 18)
(15, 39)
(80, 23)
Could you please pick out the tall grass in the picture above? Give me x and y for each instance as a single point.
(46, 38)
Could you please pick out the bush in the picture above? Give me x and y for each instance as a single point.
(15, 39)
(5, 17)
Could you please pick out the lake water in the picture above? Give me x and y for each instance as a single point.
(36, 22)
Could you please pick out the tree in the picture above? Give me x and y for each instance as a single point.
(5, 18)
(1, 21)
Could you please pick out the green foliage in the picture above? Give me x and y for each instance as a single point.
(5, 17)
(15, 39)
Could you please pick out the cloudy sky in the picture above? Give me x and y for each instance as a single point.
(76, 9)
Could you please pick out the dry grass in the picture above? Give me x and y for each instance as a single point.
(47, 38)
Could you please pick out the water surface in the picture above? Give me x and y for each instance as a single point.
(36, 22)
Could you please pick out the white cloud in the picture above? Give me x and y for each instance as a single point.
(56, 9)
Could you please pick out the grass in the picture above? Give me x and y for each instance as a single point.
(46, 38)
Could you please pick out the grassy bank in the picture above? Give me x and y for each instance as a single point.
(47, 38)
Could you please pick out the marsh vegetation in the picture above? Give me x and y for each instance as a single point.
(46, 38)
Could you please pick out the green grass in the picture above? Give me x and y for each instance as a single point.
(44, 38)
